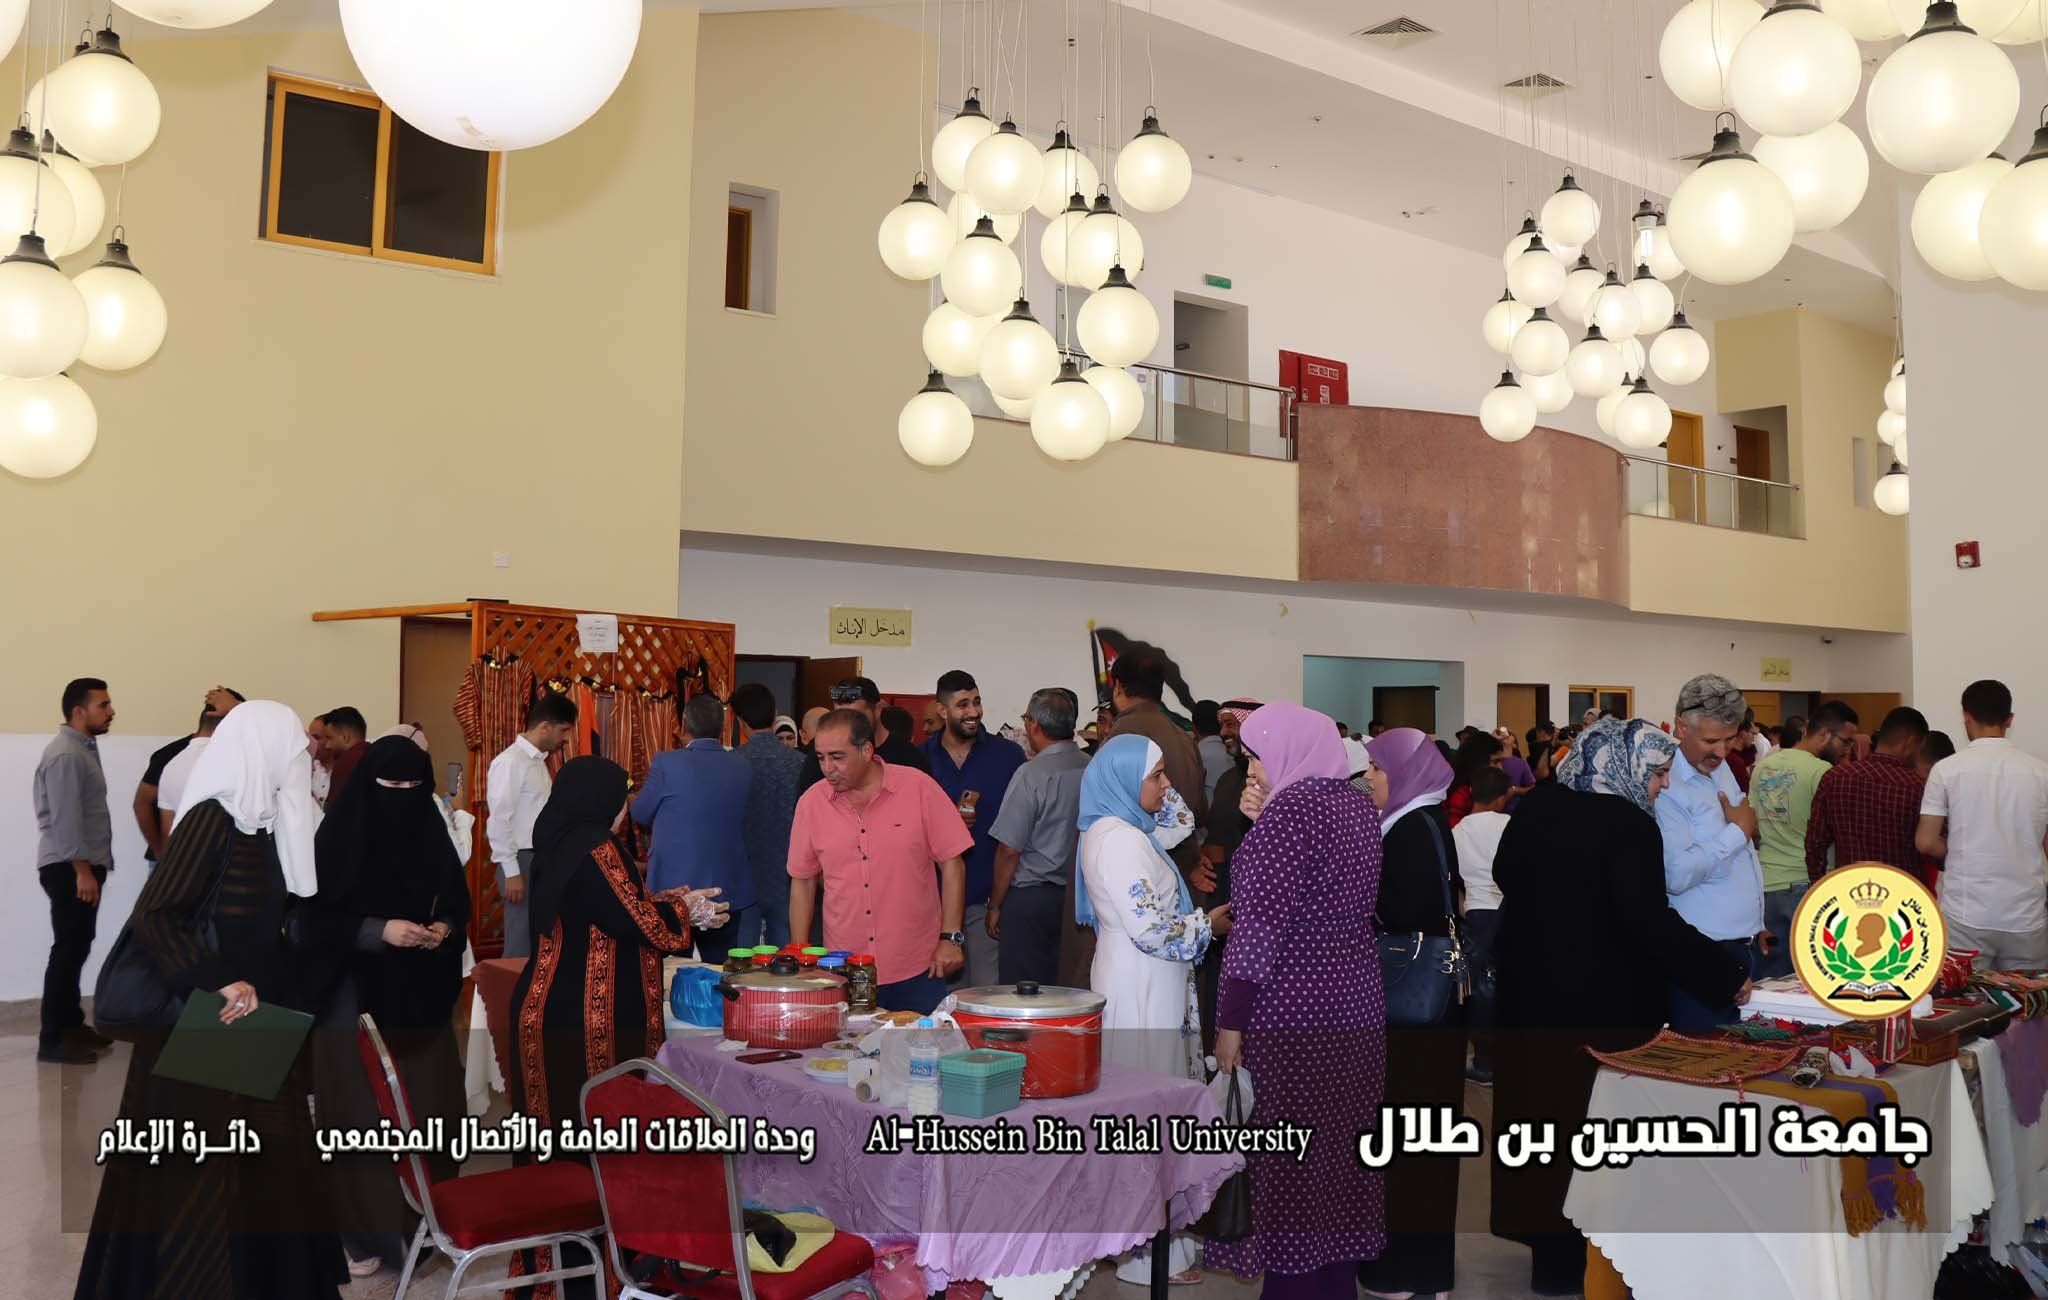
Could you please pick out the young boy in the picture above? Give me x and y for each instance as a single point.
(1477, 836)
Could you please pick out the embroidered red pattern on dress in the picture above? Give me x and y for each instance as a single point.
(532, 1058)
(599, 1054)
(650, 984)
(633, 897)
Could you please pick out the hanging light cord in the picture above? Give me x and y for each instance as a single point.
(1151, 74)
(918, 120)
(36, 211)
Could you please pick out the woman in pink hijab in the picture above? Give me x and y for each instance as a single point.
(1300, 1005)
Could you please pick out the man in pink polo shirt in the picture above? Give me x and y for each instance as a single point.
(873, 831)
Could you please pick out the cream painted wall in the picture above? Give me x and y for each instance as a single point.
(1848, 571)
(324, 431)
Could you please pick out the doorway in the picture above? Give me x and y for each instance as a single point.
(433, 655)
(1752, 460)
(1519, 706)
(1405, 706)
(1211, 343)
(799, 684)
(1426, 694)
(1687, 446)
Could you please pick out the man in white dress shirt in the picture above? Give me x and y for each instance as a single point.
(1984, 817)
(515, 788)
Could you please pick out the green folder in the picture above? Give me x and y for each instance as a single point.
(250, 1057)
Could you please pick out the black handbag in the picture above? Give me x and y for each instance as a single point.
(1229, 1217)
(1425, 975)
(132, 999)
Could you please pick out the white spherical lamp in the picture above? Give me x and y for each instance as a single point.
(2027, 27)
(56, 221)
(955, 143)
(1825, 173)
(1004, 171)
(1731, 218)
(1895, 393)
(1019, 358)
(952, 340)
(2014, 224)
(1575, 304)
(1796, 71)
(1055, 246)
(1991, 19)
(1654, 302)
(1603, 413)
(1899, 453)
(1549, 393)
(1891, 426)
(1890, 493)
(195, 15)
(915, 237)
(1014, 408)
(1120, 390)
(1537, 278)
(1520, 243)
(1615, 309)
(1698, 45)
(1104, 240)
(981, 275)
(1643, 419)
(935, 428)
(1679, 355)
(1541, 347)
(1942, 100)
(1153, 172)
(1066, 172)
(125, 318)
(1594, 367)
(1071, 419)
(47, 426)
(42, 316)
(510, 74)
(1867, 20)
(99, 104)
(1507, 412)
(1662, 259)
(88, 200)
(1502, 320)
(1570, 217)
(1946, 218)
(13, 15)
(964, 214)
(1633, 358)
(1117, 325)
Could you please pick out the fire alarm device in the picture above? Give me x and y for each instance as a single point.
(1968, 557)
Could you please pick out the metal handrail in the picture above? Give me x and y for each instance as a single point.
(1701, 469)
(1220, 379)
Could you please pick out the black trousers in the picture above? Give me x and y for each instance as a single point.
(1033, 917)
(72, 927)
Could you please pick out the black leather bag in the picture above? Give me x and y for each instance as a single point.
(132, 999)
(1425, 975)
(1229, 1217)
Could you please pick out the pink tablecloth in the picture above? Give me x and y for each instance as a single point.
(975, 1215)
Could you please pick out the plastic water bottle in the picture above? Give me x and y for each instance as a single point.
(924, 1069)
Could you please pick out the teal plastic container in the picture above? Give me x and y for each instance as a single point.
(980, 1083)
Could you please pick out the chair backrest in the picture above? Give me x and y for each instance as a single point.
(394, 1103)
(682, 1206)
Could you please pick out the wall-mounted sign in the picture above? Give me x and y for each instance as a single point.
(597, 634)
(1777, 670)
(1318, 381)
(851, 625)
(1216, 281)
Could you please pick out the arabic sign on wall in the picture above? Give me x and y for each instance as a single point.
(1777, 670)
(851, 625)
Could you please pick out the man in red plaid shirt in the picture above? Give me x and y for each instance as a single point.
(1868, 810)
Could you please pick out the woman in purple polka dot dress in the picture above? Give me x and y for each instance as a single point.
(1301, 1006)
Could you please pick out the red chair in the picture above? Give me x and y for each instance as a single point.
(473, 1218)
(679, 1212)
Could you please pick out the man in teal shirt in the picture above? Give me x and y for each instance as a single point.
(1781, 790)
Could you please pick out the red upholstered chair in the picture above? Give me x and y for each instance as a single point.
(679, 1212)
(473, 1218)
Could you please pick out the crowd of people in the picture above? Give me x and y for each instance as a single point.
(1241, 890)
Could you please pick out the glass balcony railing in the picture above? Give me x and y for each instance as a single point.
(1188, 409)
(1689, 494)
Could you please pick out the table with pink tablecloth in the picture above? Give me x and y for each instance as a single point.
(975, 1215)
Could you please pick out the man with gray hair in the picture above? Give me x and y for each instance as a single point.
(1036, 836)
(1711, 872)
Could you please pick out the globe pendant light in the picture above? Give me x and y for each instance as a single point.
(1898, 367)
(2014, 226)
(1867, 20)
(88, 200)
(1019, 358)
(1890, 494)
(1104, 240)
(1117, 326)
(42, 316)
(1679, 355)
(1899, 453)
(1071, 419)
(1594, 367)
(1055, 246)
(953, 339)
(1643, 419)
(47, 426)
(1825, 173)
(1662, 260)
(1016, 410)
(1698, 45)
(963, 212)
(1004, 170)
(99, 104)
(1654, 303)
(1942, 100)
(1947, 219)
(1643, 223)
(1516, 246)
(1536, 279)
(1067, 172)
(1603, 413)
(49, 209)
(1895, 393)
(1570, 216)
(1795, 72)
(1120, 391)
(1891, 426)
(1153, 172)
(1615, 309)
(1991, 19)
(1633, 359)
(1541, 347)
(194, 15)
(1507, 412)
(935, 428)
(956, 140)
(1575, 304)
(915, 237)
(1548, 393)
(1731, 218)
(125, 318)
(981, 273)
(13, 15)
(2027, 27)
(1502, 320)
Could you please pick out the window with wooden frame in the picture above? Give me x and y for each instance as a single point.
(1617, 701)
(341, 171)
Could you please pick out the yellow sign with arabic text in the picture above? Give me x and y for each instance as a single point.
(1777, 670)
(851, 625)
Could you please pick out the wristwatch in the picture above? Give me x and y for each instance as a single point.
(958, 938)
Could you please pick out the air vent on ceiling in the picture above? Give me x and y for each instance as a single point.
(1396, 32)
(1538, 83)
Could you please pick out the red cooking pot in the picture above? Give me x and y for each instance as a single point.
(784, 1005)
(1058, 1030)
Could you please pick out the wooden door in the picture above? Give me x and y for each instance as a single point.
(1517, 707)
(1752, 460)
(433, 654)
(1686, 446)
(814, 678)
(1406, 706)
(1769, 707)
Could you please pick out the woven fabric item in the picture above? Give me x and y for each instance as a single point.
(1709, 1061)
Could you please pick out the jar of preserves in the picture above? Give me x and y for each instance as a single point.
(863, 983)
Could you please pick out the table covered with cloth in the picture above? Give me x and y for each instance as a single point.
(976, 1216)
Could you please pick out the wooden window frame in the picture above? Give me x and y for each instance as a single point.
(1597, 691)
(282, 84)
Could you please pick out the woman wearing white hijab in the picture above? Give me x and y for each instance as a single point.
(241, 1229)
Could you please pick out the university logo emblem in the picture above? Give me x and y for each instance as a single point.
(1868, 941)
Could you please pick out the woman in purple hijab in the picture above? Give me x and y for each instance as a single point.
(1300, 1005)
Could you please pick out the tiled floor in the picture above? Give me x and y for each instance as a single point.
(49, 1182)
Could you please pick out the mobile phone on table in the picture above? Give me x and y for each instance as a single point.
(765, 1058)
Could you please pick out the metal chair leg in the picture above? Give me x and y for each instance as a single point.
(461, 1265)
(412, 1259)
